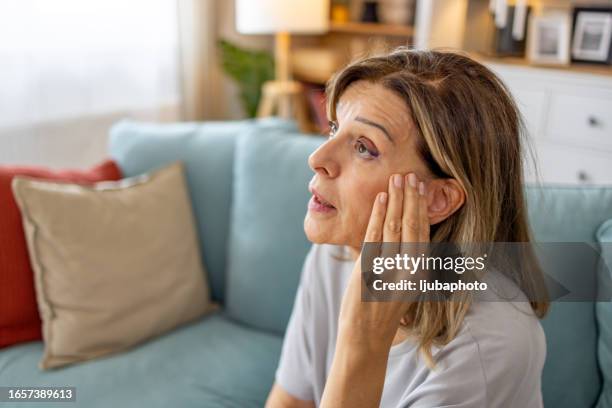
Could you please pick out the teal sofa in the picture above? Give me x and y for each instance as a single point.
(248, 182)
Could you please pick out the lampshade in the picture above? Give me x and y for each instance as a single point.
(273, 16)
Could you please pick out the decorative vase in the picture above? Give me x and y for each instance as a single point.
(340, 13)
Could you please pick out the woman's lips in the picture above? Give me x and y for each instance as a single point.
(317, 206)
(318, 203)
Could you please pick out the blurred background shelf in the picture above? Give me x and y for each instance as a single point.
(318, 65)
(576, 67)
(394, 30)
(566, 107)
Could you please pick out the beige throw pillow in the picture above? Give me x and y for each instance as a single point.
(115, 263)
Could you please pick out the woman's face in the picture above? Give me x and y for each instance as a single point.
(374, 139)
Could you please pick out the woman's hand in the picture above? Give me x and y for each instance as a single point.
(399, 216)
(366, 329)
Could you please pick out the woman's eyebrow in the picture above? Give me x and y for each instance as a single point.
(376, 125)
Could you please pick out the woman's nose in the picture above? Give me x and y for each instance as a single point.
(324, 160)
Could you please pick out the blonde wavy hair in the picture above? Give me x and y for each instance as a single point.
(469, 129)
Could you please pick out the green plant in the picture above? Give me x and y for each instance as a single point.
(250, 69)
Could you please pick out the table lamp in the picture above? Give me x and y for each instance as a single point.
(281, 18)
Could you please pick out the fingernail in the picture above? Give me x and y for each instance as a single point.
(382, 197)
(412, 180)
(397, 180)
(422, 188)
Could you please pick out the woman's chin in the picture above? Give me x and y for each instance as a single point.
(316, 230)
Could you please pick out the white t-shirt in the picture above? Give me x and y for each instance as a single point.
(496, 359)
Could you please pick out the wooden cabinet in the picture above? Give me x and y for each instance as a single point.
(569, 121)
(581, 117)
(571, 165)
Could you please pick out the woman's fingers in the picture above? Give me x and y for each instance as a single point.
(393, 220)
(410, 219)
(399, 215)
(374, 231)
(392, 230)
(373, 235)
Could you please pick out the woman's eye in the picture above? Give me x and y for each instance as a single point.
(364, 151)
(333, 128)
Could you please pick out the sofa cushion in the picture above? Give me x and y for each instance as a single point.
(207, 150)
(571, 376)
(115, 263)
(267, 242)
(19, 318)
(604, 313)
(211, 363)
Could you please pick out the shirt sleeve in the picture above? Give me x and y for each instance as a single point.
(456, 381)
(488, 364)
(294, 372)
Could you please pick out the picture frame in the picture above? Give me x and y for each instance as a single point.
(549, 39)
(592, 35)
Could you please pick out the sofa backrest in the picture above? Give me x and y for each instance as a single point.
(207, 149)
(571, 375)
(267, 244)
(262, 237)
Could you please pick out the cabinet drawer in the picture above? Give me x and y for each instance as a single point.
(531, 103)
(584, 121)
(558, 164)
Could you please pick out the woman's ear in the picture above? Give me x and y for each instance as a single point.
(444, 197)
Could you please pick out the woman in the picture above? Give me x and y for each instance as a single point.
(425, 146)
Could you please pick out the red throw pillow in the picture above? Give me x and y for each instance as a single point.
(19, 318)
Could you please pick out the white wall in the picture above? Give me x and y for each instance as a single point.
(68, 143)
(75, 143)
(71, 69)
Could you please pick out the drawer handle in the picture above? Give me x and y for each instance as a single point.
(593, 121)
(583, 176)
